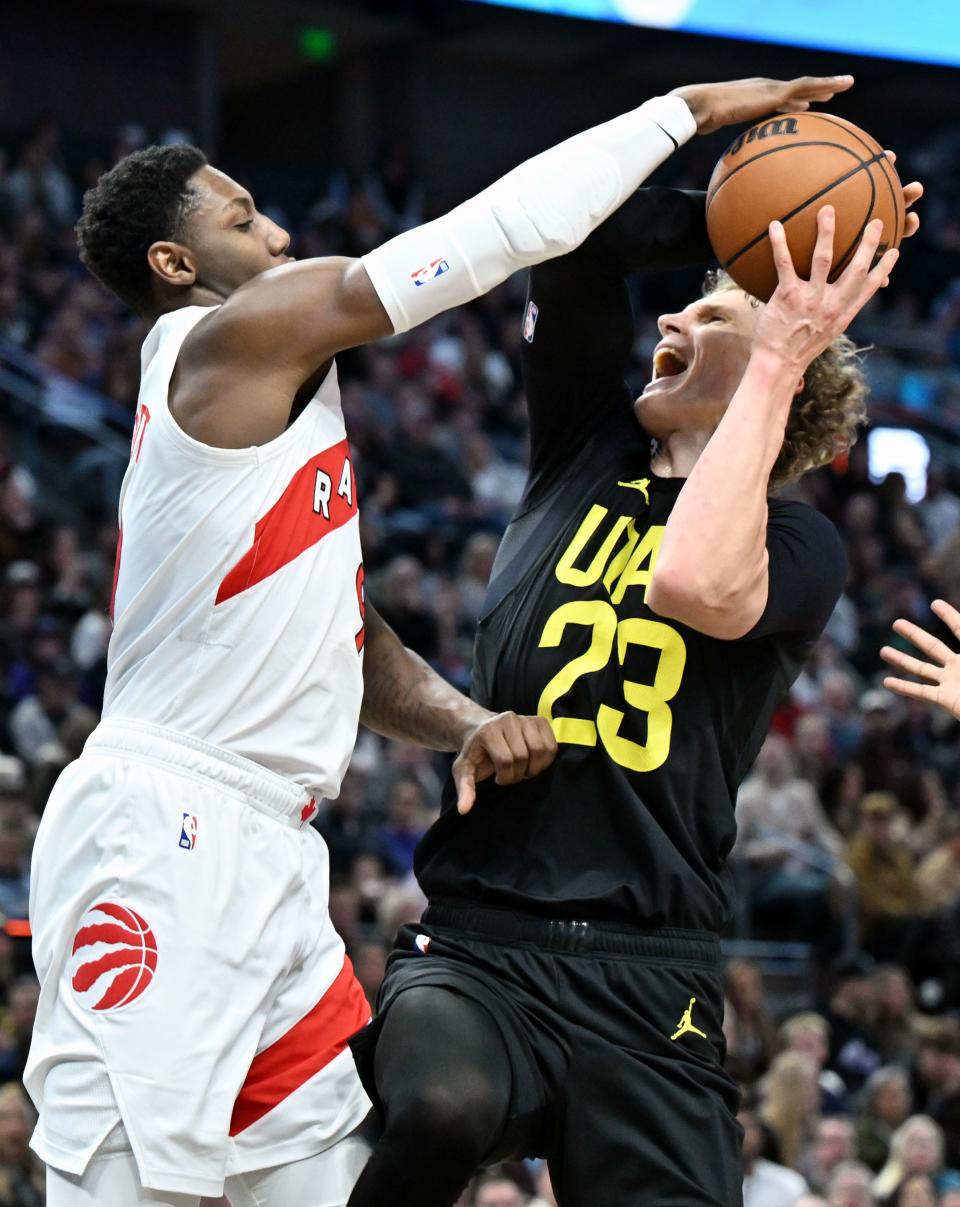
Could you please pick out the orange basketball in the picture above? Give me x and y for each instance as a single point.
(787, 168)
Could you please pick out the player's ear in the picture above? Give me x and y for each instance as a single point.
(172, 262)
(801, 385)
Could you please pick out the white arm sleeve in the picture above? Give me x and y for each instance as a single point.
(544, 208)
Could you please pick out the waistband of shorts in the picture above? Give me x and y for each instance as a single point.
(264, 790)
(576, 937)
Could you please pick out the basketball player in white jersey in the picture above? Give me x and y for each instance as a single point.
(196, 1001)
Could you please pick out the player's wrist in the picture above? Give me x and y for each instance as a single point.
(774, 370)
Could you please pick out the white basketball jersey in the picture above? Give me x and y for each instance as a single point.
(238, 595)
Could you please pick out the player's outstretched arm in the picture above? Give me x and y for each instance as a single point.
(272, 335)
(404, 698)
(712, 571)
(942, 672)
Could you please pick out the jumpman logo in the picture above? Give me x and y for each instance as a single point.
(686, 1023)
(638, 484)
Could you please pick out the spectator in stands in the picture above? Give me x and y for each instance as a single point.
(544, 1188)
(399, 591)
(810, 1033)
(939, 873)
(747, 1022)
(21, 1172)
(36, 721)
(852, 1009)
(14, 799)
(369, 958)
(940, 509)
(408, 816)
(916, 1148)
(765, 1183)
(793, 854)
(916, 1190)
(887, 1101)
(833, 1142)
(938, 1071)
(891, 900)
(39, 182)
(497, 1188)
(893, 1028)
(790, 1106)
(851, 1186)
(14, 871)
(18, 1028)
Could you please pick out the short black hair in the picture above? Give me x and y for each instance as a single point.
(143, 198)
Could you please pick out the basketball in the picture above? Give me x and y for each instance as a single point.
(787, 168)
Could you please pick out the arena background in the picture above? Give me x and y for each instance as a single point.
(350, 122)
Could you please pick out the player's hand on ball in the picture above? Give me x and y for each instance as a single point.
(803, 318)
(716, 105)
(507, 746)
(942, 672)
(912, 193)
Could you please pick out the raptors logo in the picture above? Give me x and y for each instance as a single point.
(114, 957)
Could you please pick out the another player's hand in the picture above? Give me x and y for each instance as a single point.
(507, 746)
(716, 105)
(942, 672)
(803, 318)
(912, 193)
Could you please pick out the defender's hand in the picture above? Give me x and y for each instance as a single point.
(803, 318)
(912, 193)
(716, 105)
(943, 672)
(507, 746)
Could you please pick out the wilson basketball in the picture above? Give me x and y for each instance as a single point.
(787, 168)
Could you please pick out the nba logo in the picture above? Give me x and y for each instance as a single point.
(188, 832)
(422, 944)
(436, 268)
(530, 321)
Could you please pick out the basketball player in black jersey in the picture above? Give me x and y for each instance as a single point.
(654, 601)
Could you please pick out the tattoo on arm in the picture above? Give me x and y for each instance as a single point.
(404, 698)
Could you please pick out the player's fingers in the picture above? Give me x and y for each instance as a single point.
(924, 641)
(786, 273)
(819, 87)
(466, 783)
(879, 276)
(503, 740)
(864, 256)
(823, 250)
(949, 615)
(912, 666)
(911, 225)
(541, 742)
(912, 193)
(913, 691)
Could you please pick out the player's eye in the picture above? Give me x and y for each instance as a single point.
(244, 226)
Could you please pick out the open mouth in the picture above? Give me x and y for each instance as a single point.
(668, 362)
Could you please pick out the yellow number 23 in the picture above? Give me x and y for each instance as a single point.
(651, 698)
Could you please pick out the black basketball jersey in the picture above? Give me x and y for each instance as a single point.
(656, 723)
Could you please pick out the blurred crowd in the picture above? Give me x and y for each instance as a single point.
(849, 824)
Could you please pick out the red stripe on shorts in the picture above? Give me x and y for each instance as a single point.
(303, 1051)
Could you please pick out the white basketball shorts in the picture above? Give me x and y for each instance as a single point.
(192, 983)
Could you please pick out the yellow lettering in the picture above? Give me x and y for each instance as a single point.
(640, 566)
(650, 698)
(597, 615)
(567, 571)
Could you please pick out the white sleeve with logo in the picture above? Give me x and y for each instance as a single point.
(545, 207)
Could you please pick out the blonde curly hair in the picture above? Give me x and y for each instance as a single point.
(826, 414)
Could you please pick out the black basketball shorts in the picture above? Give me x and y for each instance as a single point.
(615, 1043)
